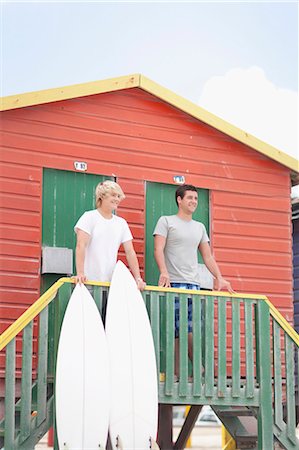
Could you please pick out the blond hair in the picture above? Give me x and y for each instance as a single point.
(106, 187)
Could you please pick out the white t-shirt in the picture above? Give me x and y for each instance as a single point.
(106, 236)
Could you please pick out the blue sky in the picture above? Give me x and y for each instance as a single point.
(209, 53)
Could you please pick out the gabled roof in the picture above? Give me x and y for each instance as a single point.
(140, 81)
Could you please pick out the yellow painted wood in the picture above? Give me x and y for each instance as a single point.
(218, 123)
(273, 311)
(35, 309)
(50, 294)
(138, 80)
(29, 314)
(207, 293)
(283, 323)
(68, 92)
(228, 443)
(182, 291)
(189, 442)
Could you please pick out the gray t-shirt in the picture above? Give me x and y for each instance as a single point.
(182, 241)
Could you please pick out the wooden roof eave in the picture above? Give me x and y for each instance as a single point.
(221, 125)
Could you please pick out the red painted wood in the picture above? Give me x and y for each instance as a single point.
(26, 218)
(15, 296)
(51, 437)
(259, 202)
(120, 149)
(21, 281)
(10, 264)
(248, 215)
(260, 243)
(29, 249)
(251, 257)
(183, 142)
(17, 172)
(16, 232)
(136, 137)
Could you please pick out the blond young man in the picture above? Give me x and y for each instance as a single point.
(100, 233)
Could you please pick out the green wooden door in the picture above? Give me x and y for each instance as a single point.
(66, 196)
(160, 201)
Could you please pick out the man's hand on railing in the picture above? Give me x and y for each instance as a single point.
(164, 280)
(140, 283)
(80, 278)
(221, 283)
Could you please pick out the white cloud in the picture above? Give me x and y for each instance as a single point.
(248, 100)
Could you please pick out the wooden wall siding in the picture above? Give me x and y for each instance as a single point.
(296, 272)
(252, 240)
(134, 136)
(20, 201)
(132, 209)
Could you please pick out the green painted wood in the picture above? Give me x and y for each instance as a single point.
(162, 314)
(183, 345)
(184, 392)
(61, 303)
(213, 399)
(10, 373)
(265, 420)
(249, 347)
(209, 347)
(221, 383)
(197, 345)
(153, 300)
(257, 349)
(46, 283)
(160, 201)
(37, 431)
(169, 372)
(42, 367)
(26, 385)
(98, 298)
(290, 385)
(66, 196)
(278, 413)
(236, 347)
(284, 441)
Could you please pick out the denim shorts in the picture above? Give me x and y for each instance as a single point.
(195, 287)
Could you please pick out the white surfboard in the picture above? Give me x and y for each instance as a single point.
(133, 373)
(82, 376)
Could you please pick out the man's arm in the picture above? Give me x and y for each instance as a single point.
(133, 263)
(159, 244)
(211, 264)
(82, 242)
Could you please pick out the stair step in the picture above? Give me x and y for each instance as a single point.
(231, 412)
(247, 446)
(245, 437)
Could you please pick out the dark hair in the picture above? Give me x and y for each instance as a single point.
(181, 191)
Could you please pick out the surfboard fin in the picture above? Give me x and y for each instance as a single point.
(153, 444)
(119, 443)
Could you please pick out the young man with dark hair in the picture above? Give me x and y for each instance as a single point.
(177, 239)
